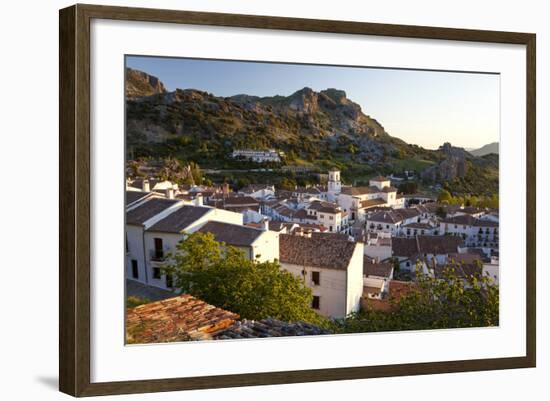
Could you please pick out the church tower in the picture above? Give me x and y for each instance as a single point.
(334, 183)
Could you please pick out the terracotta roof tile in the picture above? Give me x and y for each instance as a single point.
(404, 247)
(373, 202)
(360, 190)
(421, 244)
(376, 269)
(180, 318)
(269, 328)
(380, 178)
(316, 251)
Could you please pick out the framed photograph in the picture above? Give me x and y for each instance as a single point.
(312, 200)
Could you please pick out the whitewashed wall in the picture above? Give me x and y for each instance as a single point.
(355, 280)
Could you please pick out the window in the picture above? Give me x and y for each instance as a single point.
(316, 278)
(135, 272)
(330, 217)
(156, 272)
(330, 228)
(169, 281)
(316, 302)
(158, 254)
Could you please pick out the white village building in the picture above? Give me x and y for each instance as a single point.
(258, 156)
(330, 266)
(429, 250)
(156, 225)
(329, 215)
(358, 200)
(475, 232)
(139, 217)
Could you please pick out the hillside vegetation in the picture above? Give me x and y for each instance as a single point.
(315, 130)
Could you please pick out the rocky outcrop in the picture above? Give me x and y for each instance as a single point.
(306, 122)
(452, 165)
(139, 83)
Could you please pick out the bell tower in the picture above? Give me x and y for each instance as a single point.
(334, 183)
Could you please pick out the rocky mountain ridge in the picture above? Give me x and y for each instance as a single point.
(139, 83)
(316, 129)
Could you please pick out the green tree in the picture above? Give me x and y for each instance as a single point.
(410, 187)
(195, 172)
(449, 301)
(444, 196)
(133, 301)
(222, 276)
(440, 212)
(287, 184)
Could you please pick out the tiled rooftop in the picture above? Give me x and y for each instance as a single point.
(134, 196)
(426, 244)
(379, 178)
(372, 202)
(185, 318)
(316, 251)
(269, 328)
(360, 190)
(181, 318)
(177, 221)
(231, 234)
(376, 269)
(147, 210)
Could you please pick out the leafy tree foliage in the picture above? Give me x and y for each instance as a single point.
(490, 201)
(444, 196)
(222, 276)
(133, 301)
(410, 187)
(288, 184)
(440, 212)
(450, 301)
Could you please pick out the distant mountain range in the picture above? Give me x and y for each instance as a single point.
(316, 129)
(485, 150)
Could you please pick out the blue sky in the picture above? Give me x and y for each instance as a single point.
(426, 108)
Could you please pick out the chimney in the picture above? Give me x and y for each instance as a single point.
(198, 200)
(265, 225)
(145, 186)
(170, 193)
